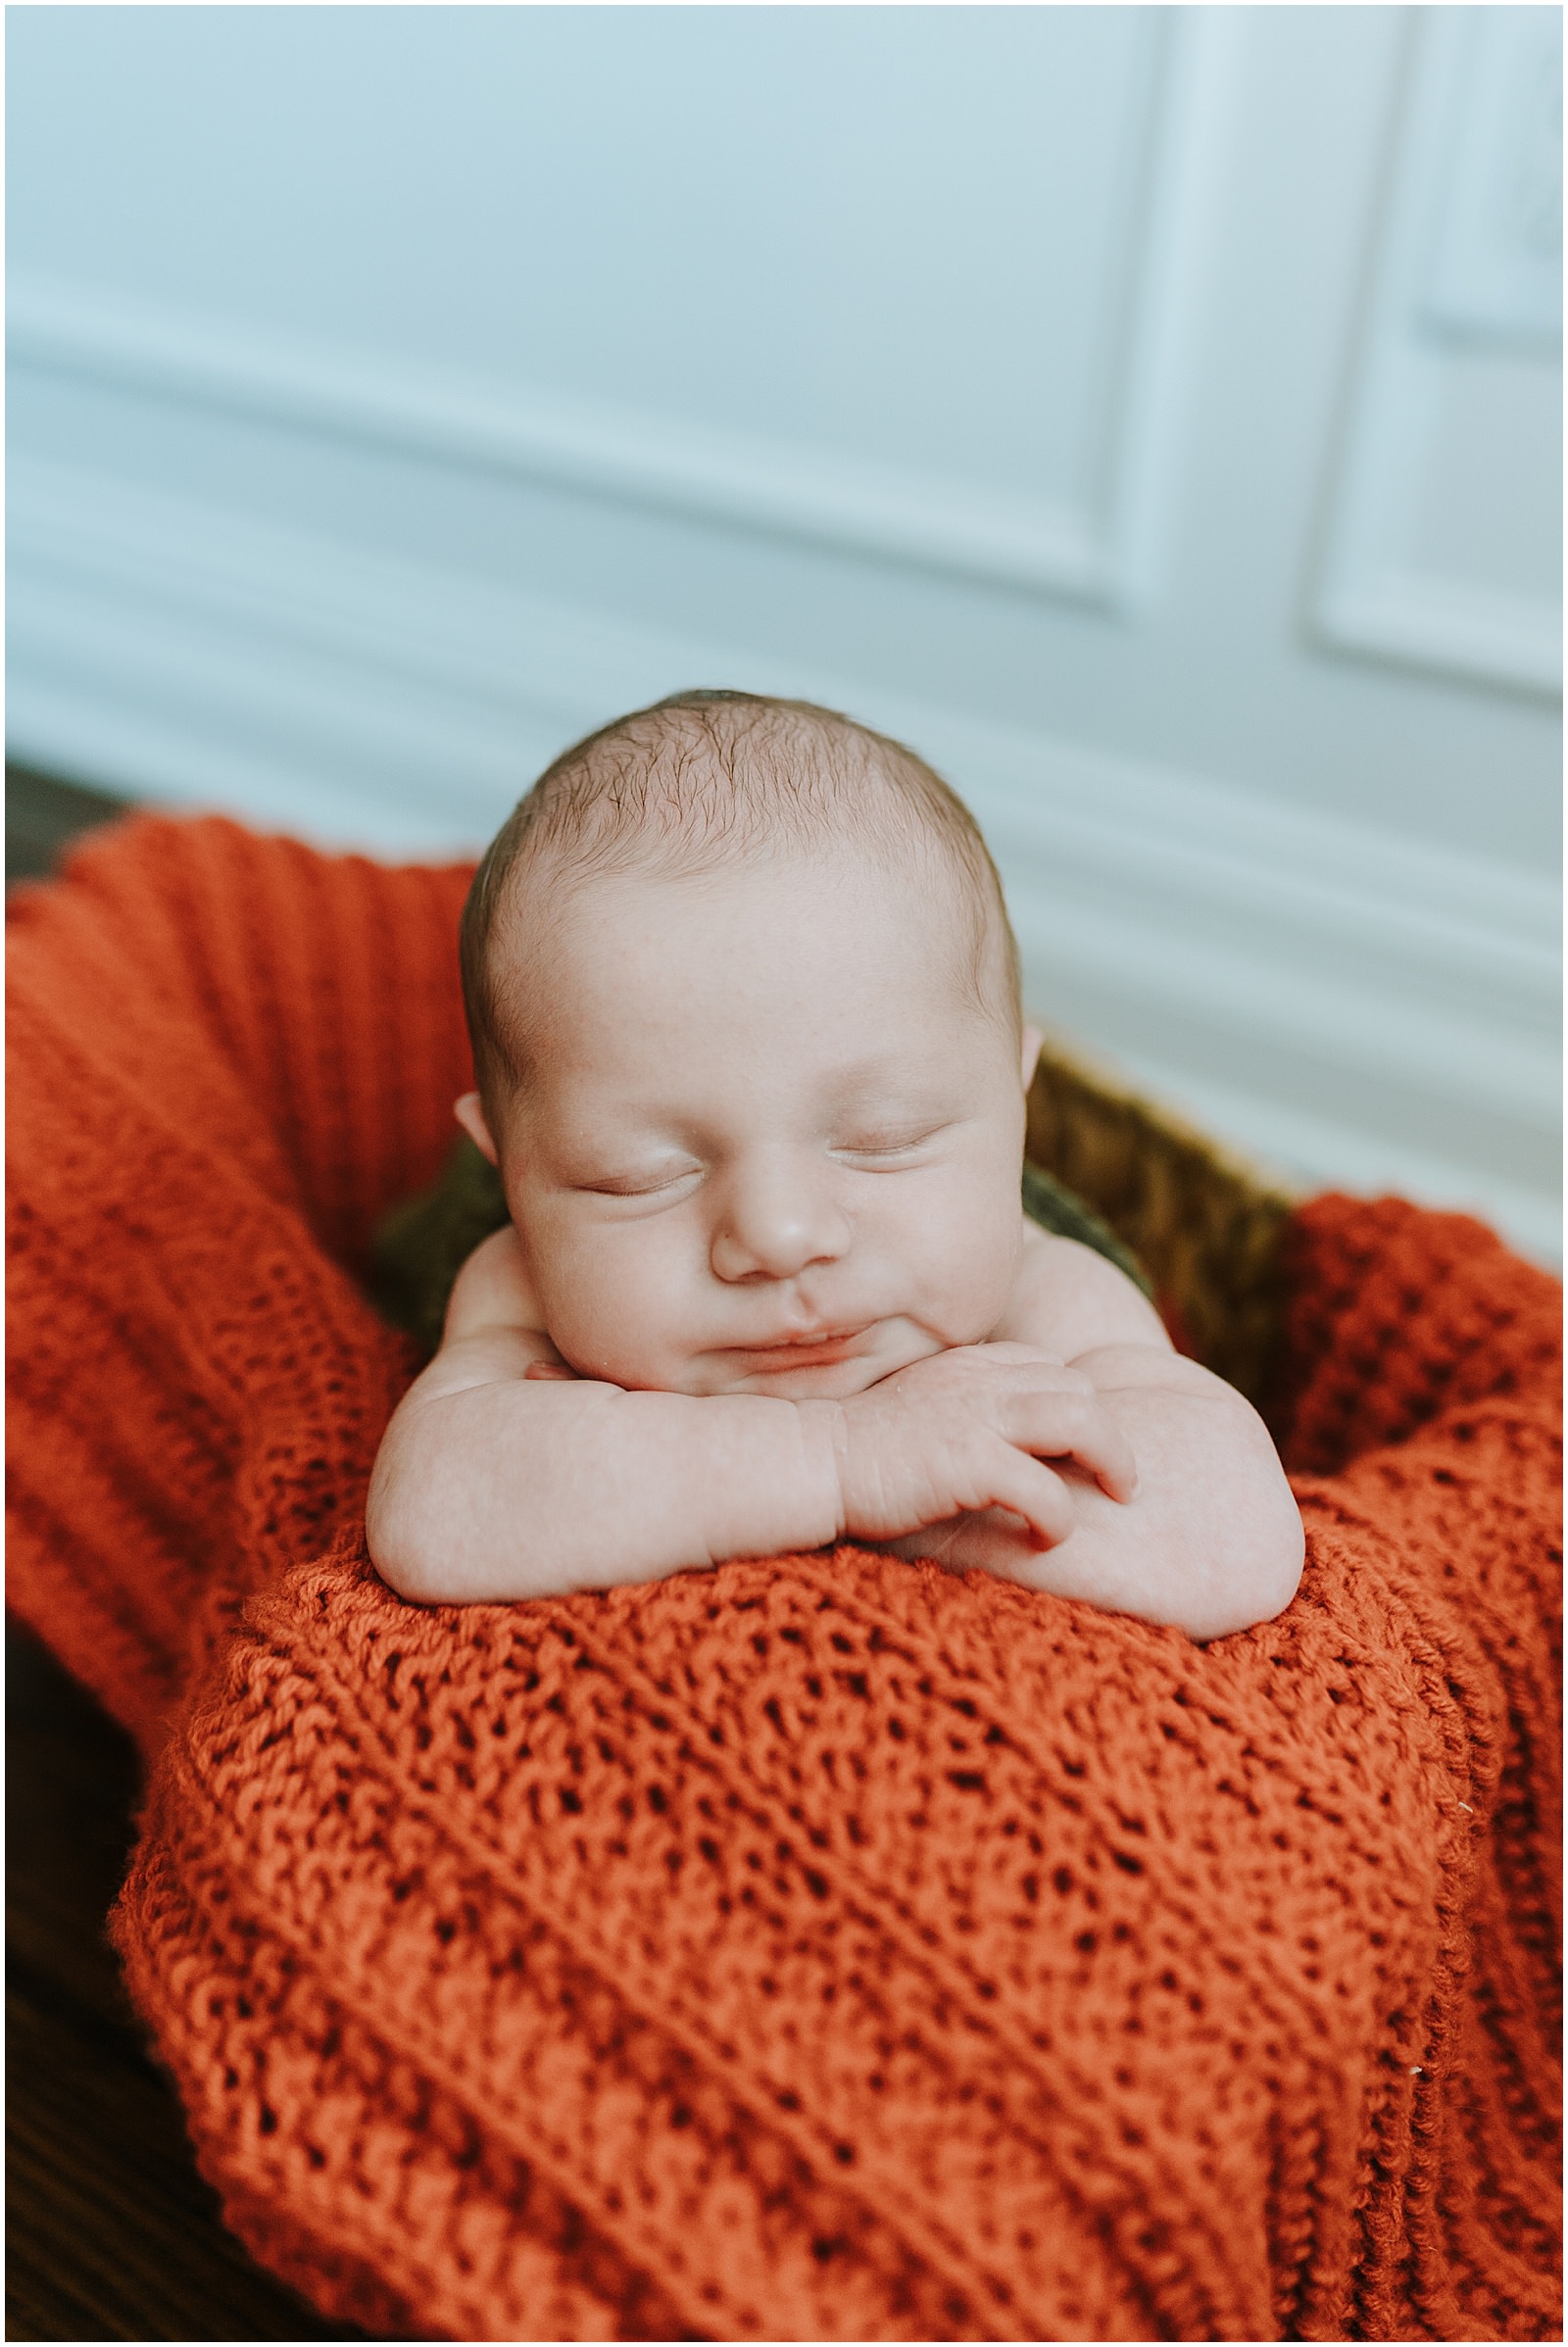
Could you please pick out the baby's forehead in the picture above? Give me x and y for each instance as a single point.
(565, 910)
(845, 935)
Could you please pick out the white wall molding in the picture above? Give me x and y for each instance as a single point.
(1352, 1001)
(1098, 546)
(1444, 625)
(1458, 274)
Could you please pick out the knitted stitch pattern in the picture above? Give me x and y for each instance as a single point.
(817, 1948)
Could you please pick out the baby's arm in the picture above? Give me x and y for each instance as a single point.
(505, 1475)
(1212, 1540)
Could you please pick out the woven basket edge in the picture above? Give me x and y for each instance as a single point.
(1099, 1073)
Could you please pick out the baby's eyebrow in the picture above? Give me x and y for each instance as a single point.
(902, 1081)
(625, 1151)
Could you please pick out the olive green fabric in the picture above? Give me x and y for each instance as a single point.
(423, 1243)
(1055, 1207)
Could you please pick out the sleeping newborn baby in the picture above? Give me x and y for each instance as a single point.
(751, 1065)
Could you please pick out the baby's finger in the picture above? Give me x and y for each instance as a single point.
(1022, 1369)
(1013, 1479)
(1003, 1353)
(1075, 1426)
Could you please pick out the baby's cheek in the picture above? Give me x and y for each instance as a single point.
(610, 1310)
(970, 1262)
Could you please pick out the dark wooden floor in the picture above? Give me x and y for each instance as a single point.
(111, 2233)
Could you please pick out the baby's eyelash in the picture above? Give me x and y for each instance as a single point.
(879, 1148)
(639, 1186)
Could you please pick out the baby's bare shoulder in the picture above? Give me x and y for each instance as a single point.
(494, 1331)
(1068, 1300)
(493, 1291)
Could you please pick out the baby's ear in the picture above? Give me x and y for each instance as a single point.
(1032, 1043)
(471, 1115)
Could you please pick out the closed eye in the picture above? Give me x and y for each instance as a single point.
(891, 1150)
(641, 1185)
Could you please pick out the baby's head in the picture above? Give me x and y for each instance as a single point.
(745, 1022)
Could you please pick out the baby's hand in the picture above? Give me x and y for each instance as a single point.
(966, 1430)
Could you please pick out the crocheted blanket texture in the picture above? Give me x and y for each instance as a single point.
(818, 1948)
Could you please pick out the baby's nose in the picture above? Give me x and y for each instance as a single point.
(774, 1222)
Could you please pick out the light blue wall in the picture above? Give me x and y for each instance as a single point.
(1152, 413)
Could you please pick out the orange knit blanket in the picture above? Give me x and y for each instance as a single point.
(821, 1948)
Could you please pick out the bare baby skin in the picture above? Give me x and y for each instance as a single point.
(766, 1284)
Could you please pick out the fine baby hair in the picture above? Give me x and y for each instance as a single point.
(714, 778)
